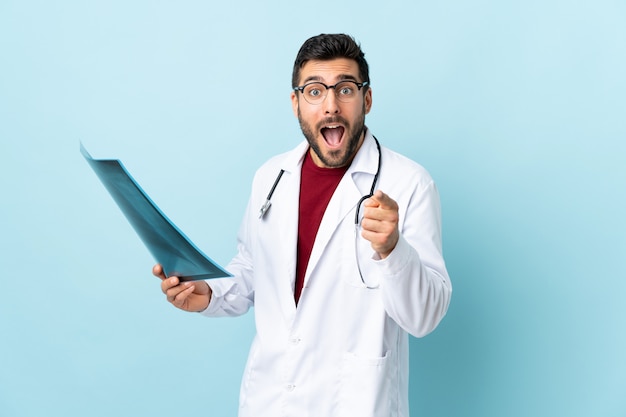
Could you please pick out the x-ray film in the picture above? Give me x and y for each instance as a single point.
(168, 245)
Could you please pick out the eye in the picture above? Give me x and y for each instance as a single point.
(346, 89)
(314, 90)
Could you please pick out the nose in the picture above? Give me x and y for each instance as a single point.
(331, 103)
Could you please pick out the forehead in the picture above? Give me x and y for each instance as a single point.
(329, 70)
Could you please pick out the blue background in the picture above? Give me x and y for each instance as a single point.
(517, 108)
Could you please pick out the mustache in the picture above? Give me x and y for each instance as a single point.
(331, 120)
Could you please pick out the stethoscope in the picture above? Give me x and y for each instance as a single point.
(268, 202)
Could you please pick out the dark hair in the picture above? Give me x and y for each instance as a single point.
(325, 47)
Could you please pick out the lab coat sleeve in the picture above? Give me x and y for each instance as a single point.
(414, 282)
(234, 296)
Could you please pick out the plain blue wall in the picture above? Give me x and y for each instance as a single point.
(516, 108)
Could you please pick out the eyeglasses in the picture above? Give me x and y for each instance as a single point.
(316, 92)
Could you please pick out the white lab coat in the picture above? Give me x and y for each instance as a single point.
(344, 350)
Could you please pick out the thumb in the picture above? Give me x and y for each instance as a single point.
(157, 271)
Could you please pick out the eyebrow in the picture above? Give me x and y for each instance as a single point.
(341, 77)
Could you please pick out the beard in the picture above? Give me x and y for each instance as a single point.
(339, 157)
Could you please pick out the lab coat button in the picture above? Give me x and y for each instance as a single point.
(294, 340)
(290, 387)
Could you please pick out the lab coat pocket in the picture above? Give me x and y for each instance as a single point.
(366, 387)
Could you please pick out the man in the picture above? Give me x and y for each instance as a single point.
(333, 309)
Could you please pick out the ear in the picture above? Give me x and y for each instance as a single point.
(368, 100)
(294, 103)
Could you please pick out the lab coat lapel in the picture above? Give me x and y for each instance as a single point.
(290, 239)
(349, 191)
(342, 202)
(285, 230)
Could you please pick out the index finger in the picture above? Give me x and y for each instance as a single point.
(383, 201)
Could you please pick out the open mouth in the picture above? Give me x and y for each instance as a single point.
(333, 135)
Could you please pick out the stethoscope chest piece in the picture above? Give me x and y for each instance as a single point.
(264, 208)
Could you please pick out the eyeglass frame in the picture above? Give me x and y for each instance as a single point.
(301, 88)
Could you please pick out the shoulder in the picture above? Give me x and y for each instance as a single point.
(288, 161)
(269, 172)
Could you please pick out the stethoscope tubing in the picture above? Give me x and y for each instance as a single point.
(268, 202)
(374, 182)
